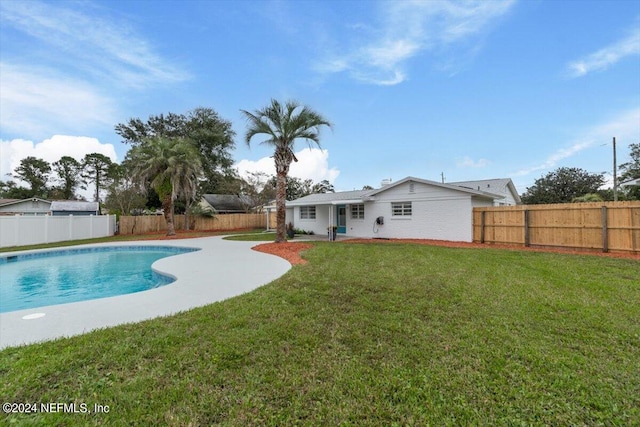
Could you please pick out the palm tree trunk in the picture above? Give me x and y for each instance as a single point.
(167, 207)
(281, 208)
(186, 214)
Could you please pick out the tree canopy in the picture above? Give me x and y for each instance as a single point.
(562, 185)
(631, 170)
(35, 172)
(212, 136)
(172, 166)
(96, 168)
(297, 187)
(68, 171)
(283, 125)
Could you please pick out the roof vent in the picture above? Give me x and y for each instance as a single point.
(385, 182)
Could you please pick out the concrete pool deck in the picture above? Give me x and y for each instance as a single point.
(220, 270)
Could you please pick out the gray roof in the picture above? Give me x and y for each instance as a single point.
(631, 182)
(5, 202)
(225, 202)
(499, 186)
(74, 206)
(362, 195)
(454, 187)
(328, 198)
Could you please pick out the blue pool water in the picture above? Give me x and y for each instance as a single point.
(47, 278)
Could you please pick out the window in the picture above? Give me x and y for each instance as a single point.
(357, 211)
(307, 212)
(401, 209)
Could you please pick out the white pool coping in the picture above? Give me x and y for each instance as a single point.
(220, 270)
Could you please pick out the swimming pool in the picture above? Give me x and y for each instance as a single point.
(57, 277)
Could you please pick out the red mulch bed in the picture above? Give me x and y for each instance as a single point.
(291, 251)
(288, 251)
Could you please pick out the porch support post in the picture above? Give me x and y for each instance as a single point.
(329, 228)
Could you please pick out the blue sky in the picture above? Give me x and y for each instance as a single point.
(474, 90)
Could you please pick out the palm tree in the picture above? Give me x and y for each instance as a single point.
(283, 125)
(172, 166)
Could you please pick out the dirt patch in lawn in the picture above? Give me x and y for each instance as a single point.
(288, 251)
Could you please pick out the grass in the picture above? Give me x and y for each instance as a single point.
(125, 238)
(366, 334)
(253, 237)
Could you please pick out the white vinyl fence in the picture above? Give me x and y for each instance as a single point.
(21, 230)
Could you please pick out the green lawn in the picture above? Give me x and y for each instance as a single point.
(126, 238)
(253, 237)
(367, 334)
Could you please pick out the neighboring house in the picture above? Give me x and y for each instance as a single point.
(410, 208)
(224, 203)
(73, 207)
(630, 183)
(33, 206)
(501, 187)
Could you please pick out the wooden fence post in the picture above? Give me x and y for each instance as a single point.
(605, 239)
(526, 228)
(482, 226)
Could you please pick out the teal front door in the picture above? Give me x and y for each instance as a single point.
(341, 215)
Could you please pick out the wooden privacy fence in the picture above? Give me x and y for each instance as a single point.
(157, 223)
(604, 226)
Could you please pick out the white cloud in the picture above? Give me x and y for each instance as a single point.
(34, 102)
(51, 150)
(101, 45)
(410, 28)
(312, 164)
(468, 162)
(604, 58)
(91, 57)
(625, 126)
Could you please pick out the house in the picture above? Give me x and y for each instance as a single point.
(501, 187)
(224, 203)
(74, 207)
(410, 208)
(630, 183)
(33, 206)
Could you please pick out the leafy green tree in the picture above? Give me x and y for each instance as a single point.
(9, 190)
(253, 191)
(96, 168)
(124, 195)
(589, 197)
(322, 187)
(172, 166)
(68, 171)
(562, 186)
(212, 135)
(35, 172)
(283, 125)
(631, 170)
(297, 187)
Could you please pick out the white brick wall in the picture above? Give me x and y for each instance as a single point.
(437, 213)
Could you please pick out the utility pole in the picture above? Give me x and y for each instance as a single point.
(615, 173)
(442, 175)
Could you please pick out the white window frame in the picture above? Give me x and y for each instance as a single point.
(357, 211)
(307, 212)
(401, 209)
